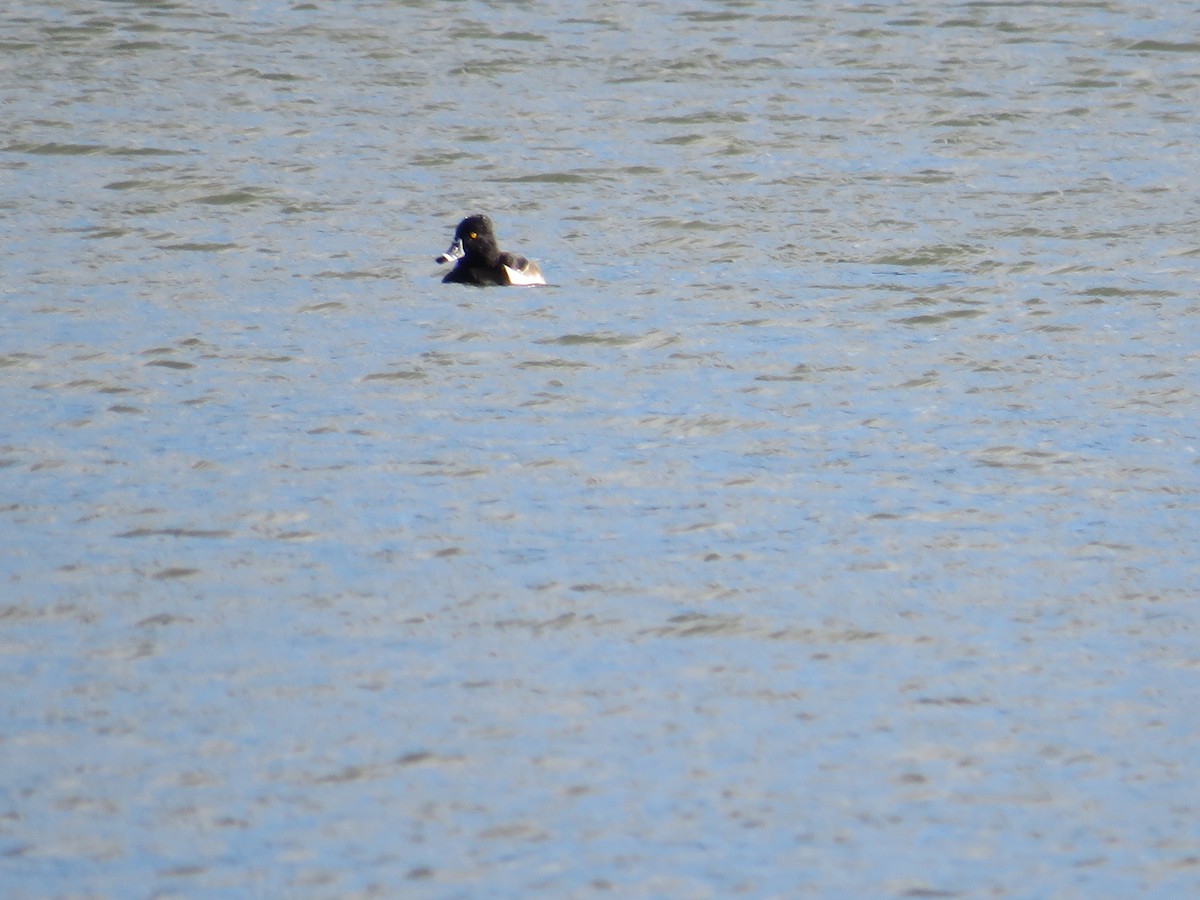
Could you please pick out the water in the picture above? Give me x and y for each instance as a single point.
(825, 529)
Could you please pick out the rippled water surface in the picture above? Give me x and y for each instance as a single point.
(827, 528)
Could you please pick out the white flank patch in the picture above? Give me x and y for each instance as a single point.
(517, 277)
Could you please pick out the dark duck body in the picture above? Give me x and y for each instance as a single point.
(480, 261)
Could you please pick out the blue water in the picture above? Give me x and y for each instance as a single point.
(826, 528)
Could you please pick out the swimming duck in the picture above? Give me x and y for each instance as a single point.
(480, 261)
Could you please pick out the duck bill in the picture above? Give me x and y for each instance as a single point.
(456, 251)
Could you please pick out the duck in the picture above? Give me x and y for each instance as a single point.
(478, 259)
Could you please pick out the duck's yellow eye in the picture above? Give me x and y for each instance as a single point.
(472, 235)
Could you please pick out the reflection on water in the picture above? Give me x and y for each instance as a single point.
(824, 528)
